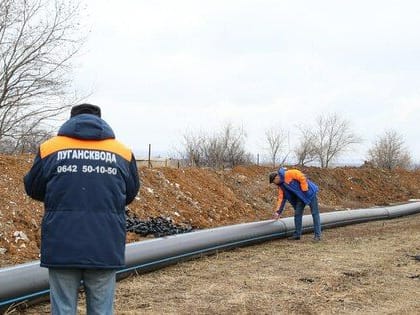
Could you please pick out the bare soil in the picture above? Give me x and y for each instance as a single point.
(360, 269)
(200, 197)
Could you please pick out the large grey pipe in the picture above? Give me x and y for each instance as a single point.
(29, 281)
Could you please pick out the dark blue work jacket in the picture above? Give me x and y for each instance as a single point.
(85, 178)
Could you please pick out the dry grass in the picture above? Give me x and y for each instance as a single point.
(361, 269)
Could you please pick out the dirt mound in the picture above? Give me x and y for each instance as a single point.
(199, 197)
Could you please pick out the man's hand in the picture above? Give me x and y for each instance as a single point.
(276, 216)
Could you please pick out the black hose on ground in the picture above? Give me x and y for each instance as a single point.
(158, 226)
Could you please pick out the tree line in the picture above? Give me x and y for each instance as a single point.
(321, 144)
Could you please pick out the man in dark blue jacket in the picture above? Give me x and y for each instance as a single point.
(85, 178)
(299, 191)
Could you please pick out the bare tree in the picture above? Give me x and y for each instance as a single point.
(389, 151)
(234, 145)
(306, 151)
(213, 151)
(38, 39)
(193, 149)
(225, 148)
(276, 139)
(332, 136)
(27, 141)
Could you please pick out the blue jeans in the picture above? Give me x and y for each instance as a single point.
(300, 206)
(99, 286)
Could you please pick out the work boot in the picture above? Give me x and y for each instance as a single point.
(317, 239)
(294, 238)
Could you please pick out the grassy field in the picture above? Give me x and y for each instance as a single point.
(360, 269)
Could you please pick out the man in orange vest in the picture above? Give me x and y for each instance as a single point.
(299, 191)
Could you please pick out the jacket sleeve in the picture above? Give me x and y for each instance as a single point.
(300, 177)
(35, 181)
(281, 201)
(133, 181)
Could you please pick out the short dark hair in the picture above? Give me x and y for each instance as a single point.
(272, 176)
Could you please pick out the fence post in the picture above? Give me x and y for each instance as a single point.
(150, 152)
(192, 158)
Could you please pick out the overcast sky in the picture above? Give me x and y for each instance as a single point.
(159, 68)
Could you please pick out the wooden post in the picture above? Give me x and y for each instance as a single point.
(192, 158)
(223, 179)
(150, 153)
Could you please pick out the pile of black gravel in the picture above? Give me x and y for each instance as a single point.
(158, 226)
